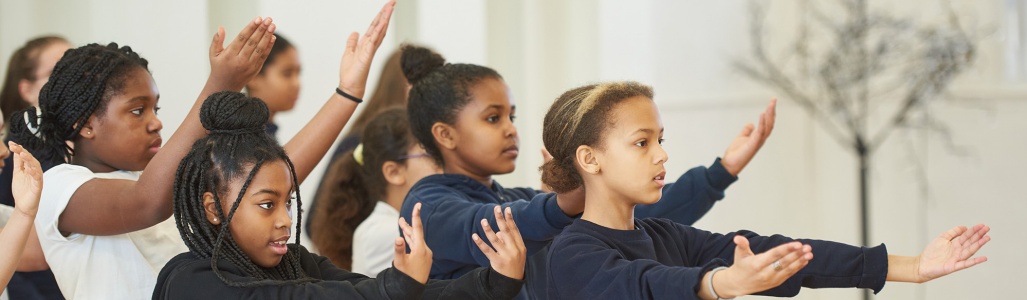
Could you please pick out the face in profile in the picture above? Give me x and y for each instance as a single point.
(485, 137)
(262, 221)
(631, 157)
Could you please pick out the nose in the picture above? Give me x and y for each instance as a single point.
(511, 130)
(283, 218)
(155, 125)
(661, 155)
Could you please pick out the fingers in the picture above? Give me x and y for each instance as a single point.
(952, 233)
(376, 32)
(771, 114)
(765, 259)
(236, 45)
(742, 246)
(251, 42)
(418, 227)
(489, 233)
(264, 45)
(351, 43)
(218, 44)
(512, 230)
(408, 232)
(746, 130)
(500, 220)
(19, 159)
(795, 260)
(488, 251)
(400, 249)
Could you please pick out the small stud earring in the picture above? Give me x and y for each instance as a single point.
(215, 219)
(89, 132)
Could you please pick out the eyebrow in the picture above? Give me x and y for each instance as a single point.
(266, 191)
(648, 131)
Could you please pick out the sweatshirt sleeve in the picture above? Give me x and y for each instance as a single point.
(691, 196)
(450, 219)
(586, 269)
(196, 280)
(481, 283)
(834, 265)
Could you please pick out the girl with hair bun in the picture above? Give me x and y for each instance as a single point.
(606, 138)
(234, 196)
(463, 116)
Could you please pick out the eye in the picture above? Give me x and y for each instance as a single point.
(492, 119)
(642, 143)
(512, 117)
(266, 205)
(137, 111)
(288, 203)
(156, 109)
(661, 141)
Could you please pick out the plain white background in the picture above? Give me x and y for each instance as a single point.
(802, 184)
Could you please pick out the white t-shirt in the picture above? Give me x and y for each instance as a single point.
(123, 266)
(373, 240)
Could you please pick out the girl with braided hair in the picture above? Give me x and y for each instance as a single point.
(234, 196)
(607, 139)
(101, 223)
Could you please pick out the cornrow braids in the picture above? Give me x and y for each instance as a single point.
(580, 117)
(81, 85)
(439, 91)
(234, 144)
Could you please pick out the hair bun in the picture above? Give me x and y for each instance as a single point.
(233, 112)
(418, 62)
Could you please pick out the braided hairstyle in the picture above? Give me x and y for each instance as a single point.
(237, 140)
(351, 189)
(22, 66)
(580, 117)
(439, 92)
(81, 85)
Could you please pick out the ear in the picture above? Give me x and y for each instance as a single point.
(586, 159)
(24, 86)
(87, 131)
(393, 173)
(445, 135)
(211, 208)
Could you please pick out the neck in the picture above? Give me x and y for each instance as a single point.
(394, 196)
(83, 158)
(608, 211)
(484, 179)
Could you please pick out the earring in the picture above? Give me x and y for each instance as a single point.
(89, 132)
(215, 219)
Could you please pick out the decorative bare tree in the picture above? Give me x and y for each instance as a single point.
(863, 75)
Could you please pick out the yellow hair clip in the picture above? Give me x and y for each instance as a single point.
(358, 154)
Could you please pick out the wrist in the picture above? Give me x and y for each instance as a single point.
(29, 215)
(719, 289)
(348, 96)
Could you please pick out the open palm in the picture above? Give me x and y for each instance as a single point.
(953, 251)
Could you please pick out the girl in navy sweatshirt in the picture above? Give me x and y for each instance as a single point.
(463, 116)
(606, 138)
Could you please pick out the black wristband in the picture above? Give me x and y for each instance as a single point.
(348, 96)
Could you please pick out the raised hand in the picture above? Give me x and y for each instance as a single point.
(27, 181)
(749, 141)
(752, 273)
(417, 263)
(236, 65)
(507, 253)
(952, 251)
(356, 61)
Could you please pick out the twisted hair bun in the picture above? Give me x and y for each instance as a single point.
(233, 112)
(418, 62)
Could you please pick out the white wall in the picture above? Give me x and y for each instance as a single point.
(802, 183)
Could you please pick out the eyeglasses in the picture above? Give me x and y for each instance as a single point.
(409, 156)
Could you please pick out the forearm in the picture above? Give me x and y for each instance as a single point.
(32, 258)
(12, 243)
(312, 142)
(903, 268)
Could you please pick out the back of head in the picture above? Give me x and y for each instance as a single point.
(81, 84)
(236, 142)
(439, 91)
(22, 66)
(580, 117)
(355, 183)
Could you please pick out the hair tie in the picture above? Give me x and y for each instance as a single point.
(358, 154)
(238, 131)
(32, 121)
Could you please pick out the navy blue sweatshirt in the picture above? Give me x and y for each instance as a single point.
(661, 259)
(453, 205)
(187, 276)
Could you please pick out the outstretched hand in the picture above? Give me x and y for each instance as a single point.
(952, 251)
(749, 141)
(236, 65)
(507, 253)
(752, 273)
(417, 263)
(356, 61)
(27, 181)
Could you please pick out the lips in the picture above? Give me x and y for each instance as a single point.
(156, 144)
(278, 246)
(660, 178)
(512, 150)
